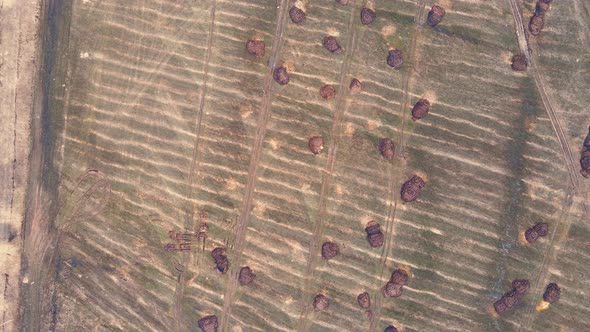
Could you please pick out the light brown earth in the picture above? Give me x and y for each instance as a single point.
(19, 45)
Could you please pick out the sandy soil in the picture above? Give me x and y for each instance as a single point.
(19, 21)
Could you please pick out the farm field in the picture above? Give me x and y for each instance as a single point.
(153, 118)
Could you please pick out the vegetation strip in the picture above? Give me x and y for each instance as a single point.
(394, 176)
(560, 227)
(242, 222)
(336, 131)
(193, 173)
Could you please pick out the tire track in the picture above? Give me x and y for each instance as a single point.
(39, 236)
(548, 102)
(160, 62)
(558, 236)
(336, 134)
(385, 251)
(193, 173)
(263, 117)
(562, 226)
(396, 173)
(406, 83)
(580, 11)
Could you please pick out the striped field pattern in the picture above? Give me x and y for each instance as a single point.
(162, 98)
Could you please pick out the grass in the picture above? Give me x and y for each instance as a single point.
(492, 162)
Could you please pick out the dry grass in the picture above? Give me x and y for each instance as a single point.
(167, 103)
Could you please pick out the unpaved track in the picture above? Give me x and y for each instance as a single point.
(336, 134)
(37, 235)
(418, 19)
(548, 102)
(19, 27)
(264, 116)
(194, 174)
(562, 226)
(558, 239)
(396, 173)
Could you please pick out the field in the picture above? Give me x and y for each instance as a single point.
(154, 118)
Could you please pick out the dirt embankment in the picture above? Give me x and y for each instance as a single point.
(38, 234)
(19, 40)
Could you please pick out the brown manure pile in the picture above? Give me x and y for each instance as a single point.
(390, 328)
(435, 15)
(297, 15)
(331, 44)
(513, 297)
(364, 300)
(330, 250)
(394, 287)
(538, 230)
(321, 302)
(255, 48)
(585, 157)
(221, 261)
(328, 92)
(368, 16)
(281, 75)
(316, 144)
(355, 87)
(395, 59)
(411, 189)
(374, 234)
(208, 323)
(552, 293)
(421, 109)
(246, 276)
(387, 148)
(538, 19)
(519, 62)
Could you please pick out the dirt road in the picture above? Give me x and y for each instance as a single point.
(242, 224)
(336, 133)
(194, 173)
(548, 102)
(18, 69)
(561, 228)
(38, 232)
(396, 173)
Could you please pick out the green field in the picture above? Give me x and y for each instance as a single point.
(162, 99)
